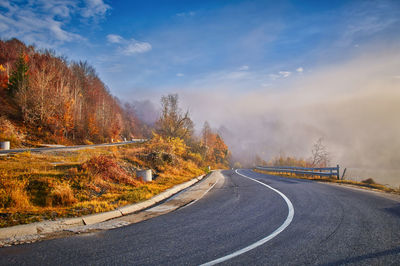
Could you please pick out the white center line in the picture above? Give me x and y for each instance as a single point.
(265, 239)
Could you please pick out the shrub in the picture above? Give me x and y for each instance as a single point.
(107, 168)
(195, 157)
(158, 158)
(62, 195)
(13, 194)
(369, 181)
(5, 198)
(39, 190)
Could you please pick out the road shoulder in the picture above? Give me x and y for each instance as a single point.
(377, 192)
(172, 199)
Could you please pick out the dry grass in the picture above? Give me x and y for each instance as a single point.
(368, 183)
(34, 187)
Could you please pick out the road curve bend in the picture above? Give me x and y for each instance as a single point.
(332, 225)
(265, 239)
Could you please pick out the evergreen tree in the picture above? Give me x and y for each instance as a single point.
(18, 81)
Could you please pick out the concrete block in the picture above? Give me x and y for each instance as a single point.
(130, 209)
(73, 221)
(136, 207)
(18, 230)
(200, 177)
(101, 217)
(162, 196)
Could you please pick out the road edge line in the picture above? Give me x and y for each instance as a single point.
(262, 241)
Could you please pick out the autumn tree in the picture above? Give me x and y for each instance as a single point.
(259, 161)
(173, 122)
(61, 101)
(3, 77)
(221, 151)
(214, 147)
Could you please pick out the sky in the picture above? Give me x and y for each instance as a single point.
(271, 76)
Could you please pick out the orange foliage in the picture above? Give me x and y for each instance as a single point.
(3, 78)
(60, 100)
(93, 131)
(107, 168)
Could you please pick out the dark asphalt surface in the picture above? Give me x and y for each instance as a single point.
(332, 225)
(76, 147)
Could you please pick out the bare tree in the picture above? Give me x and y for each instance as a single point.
(320, 155)
(206, 133)
(173, 122)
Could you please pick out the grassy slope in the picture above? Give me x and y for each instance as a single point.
(34, 187)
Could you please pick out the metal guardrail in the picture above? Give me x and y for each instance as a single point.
(72, 147)
(324, 171)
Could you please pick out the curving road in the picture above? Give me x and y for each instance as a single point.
(328, 225)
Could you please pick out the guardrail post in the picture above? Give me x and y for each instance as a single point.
(337, 173)
(344, 172)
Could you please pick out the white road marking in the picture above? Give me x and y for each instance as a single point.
(265, 239)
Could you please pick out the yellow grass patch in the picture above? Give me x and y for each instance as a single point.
(37, 186)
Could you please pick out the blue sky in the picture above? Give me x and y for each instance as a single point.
(149, 48)
(271, 76)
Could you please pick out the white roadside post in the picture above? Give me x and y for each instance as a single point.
(145, 175)
(5, 145)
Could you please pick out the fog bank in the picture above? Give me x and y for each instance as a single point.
(354, 106)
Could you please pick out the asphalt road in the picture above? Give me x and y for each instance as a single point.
(331, 225)
(76, 147)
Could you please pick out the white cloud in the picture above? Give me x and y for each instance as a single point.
(114, 38)
(285, 74)
(280, 75)
(366, 19)
(300, 70)
(60, 34)
(95, 8)
(129, 47)
(136, 47)
(244, 67)
(44, 22)
(180, 74)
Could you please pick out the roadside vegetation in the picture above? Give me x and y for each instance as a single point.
(367, 183)
(38, 186)
(46, 99)
(319, 159)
